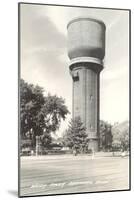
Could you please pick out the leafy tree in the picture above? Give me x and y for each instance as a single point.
(105, 135)
(46, 140)
(31, 102)
(120, 134)
(52, 112)
(39, 115)
(75, 136)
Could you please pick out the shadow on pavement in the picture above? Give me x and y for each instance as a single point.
(13, 192)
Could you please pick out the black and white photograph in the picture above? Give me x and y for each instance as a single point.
(74, 99)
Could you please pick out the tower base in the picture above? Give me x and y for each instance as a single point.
(93, 145)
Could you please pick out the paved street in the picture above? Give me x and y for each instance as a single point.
(45, 175)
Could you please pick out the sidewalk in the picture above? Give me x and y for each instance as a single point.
(97, 155)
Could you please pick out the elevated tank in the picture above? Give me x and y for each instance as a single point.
(86, 38)
(86, 50)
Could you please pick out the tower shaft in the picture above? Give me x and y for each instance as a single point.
(86, 100)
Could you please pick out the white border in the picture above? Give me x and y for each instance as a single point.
(8, 98)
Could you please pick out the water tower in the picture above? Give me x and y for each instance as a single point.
(86, 50)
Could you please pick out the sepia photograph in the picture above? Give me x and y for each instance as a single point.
(74, 99)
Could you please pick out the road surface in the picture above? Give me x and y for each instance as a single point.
(60, 174)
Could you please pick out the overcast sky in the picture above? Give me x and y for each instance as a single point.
(44, 59)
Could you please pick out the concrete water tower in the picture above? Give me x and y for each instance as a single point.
(86, 50)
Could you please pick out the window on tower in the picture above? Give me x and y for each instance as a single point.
(91, 97)
(75, 76)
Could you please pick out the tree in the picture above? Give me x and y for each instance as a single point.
(120, 134)
(46, 140)
(105, 135)
(75, 136)
(39, 115)
(52, 112)
(31, 102)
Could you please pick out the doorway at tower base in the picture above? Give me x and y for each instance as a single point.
(93, 145)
